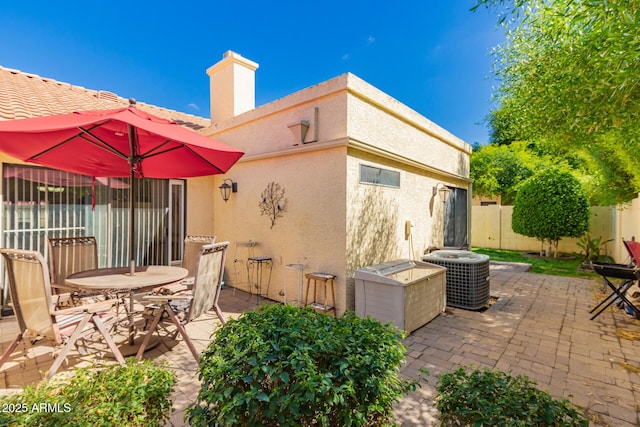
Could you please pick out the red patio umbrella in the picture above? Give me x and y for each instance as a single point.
(123, 142)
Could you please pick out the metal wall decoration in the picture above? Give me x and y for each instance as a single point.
(272, 202)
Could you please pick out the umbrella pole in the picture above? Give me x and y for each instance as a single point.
(132, 210)
(132, 229)
(132, 196)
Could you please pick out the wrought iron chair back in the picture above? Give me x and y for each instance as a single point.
(68, 255)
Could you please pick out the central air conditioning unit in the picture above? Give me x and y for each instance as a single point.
(468, 284)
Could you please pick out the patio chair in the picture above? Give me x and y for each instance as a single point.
(192, 246)
(201, 297)
(68, 255)
(633, 248)
(37, 316)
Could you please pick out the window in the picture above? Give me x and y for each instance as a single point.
(40, 202)
(379, 176)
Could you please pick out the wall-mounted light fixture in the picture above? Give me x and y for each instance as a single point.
(300, 130)
(228, 187)
(442, 191)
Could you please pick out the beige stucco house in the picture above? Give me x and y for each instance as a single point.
(358, 170)
(354, 176)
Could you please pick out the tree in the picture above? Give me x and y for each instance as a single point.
(568, 74)
(549, 206)
(503, 132)
(497, 170)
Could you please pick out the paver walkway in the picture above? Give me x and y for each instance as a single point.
(539, 326)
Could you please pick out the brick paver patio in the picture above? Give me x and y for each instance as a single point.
(539, 326)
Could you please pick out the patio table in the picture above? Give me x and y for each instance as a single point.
(119, 279)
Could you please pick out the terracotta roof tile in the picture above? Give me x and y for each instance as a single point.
(25, 95)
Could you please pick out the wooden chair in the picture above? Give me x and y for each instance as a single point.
(201, 297)
(37, 316)
(68, 255)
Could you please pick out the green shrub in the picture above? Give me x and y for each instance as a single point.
(284, 366)
(489, 398)
(137, 394)
(592, 248)
(549, 206)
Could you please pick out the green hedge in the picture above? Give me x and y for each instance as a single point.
(137, 394)
(284, 366)
(470, 397)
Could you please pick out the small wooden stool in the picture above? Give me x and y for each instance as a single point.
(327, 280)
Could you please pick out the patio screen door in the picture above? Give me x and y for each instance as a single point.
(40, 203)
(455, 218)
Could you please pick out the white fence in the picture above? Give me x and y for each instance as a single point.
(491, 228)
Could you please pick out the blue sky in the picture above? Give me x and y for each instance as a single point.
(432, 56)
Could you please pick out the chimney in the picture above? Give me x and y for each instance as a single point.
(232, 86)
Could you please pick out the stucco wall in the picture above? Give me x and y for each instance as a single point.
(333, 223)
(386, 134)
(265, 130)
(377, 215)
(202, 197)
(385, 210)
(310, 232)
(380, 121)
(627, 227)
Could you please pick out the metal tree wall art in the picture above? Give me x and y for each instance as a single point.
(272, 202)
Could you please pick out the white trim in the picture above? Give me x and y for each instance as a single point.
(356, 145)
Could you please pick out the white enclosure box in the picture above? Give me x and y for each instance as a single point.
(406, 293)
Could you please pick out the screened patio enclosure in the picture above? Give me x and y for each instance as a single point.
(40, 202)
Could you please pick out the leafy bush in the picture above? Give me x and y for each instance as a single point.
(487, 398)
(549, 206)
(284, 366)
(137, 394)
(591, 247)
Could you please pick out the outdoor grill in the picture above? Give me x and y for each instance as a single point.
(406, 293)
(628, 274)
(468, 284)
